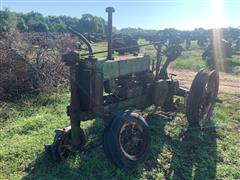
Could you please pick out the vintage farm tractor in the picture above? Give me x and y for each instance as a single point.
(117, 90)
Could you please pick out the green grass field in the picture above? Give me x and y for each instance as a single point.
(29, 124)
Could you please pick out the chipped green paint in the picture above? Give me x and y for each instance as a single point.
(115, 68)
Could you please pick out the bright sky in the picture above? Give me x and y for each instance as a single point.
(147, 14)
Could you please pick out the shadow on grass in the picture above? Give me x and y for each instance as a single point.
(193, 154)
(89, 165)
(193, 157)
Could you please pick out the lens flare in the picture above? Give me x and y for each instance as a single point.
(217, 20)
(218, 50)
(216, 12)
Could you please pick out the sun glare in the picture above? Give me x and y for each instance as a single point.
(217, 20)
(216, 13)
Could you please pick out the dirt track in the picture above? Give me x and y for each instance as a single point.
(229, 83)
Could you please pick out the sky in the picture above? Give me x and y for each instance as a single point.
(146, 14)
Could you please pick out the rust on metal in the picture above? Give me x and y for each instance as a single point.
(116, 91)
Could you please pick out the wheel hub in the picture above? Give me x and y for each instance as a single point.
(132, 140)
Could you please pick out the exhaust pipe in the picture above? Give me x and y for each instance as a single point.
(109, 10)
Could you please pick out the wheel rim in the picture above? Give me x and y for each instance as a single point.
(202, 97)
(133, 140)
(209, 96)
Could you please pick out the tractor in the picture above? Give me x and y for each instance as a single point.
(118, 90)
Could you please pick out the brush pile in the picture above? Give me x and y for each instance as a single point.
(31, 63)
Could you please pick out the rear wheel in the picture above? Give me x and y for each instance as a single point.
(202, 97)
(127, 140)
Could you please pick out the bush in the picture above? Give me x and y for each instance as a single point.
(31, 63)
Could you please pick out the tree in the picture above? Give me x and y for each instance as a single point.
(21, 25)
(70, 22)
(55, 24)
(8, 21)
(87, 24)
(100, 24)
(35, 22)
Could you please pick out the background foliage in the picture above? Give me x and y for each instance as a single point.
(36, 22)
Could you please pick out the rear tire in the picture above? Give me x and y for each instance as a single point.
(202, 98)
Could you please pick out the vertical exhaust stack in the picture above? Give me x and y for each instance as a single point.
(109, 10)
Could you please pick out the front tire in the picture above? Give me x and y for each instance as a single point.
(127, 140)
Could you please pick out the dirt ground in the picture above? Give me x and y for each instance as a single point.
(229, 83)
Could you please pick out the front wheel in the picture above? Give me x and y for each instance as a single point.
(127, 140)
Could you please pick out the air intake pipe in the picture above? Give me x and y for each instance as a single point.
(109, 10)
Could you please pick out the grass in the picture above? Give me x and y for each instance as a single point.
(29, 124)
(233, 64)
(190, 61)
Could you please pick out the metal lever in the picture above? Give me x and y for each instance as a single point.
(83, 39)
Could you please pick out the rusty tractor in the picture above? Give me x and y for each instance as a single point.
(116, 90)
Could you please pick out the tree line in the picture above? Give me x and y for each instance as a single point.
(93, 25)
(35, 22)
